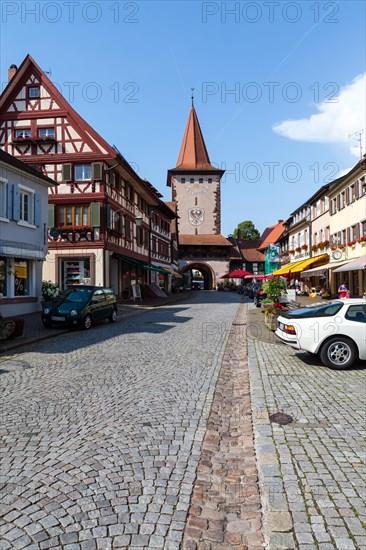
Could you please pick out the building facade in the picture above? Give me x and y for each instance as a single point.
(99, 211)
(195, 185)
(23, 232)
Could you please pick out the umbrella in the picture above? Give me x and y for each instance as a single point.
(239, 274)
(226, 276)
(264, 277)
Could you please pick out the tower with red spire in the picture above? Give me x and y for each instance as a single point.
(195, 184)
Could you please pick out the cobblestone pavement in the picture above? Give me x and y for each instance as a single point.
(312, 471)
(225, 506)
(102, 430)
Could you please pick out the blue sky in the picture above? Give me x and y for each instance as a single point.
(295, 70)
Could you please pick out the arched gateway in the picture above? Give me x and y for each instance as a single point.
(207, 273)
(196, 189)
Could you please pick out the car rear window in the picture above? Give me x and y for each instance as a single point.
(356, 313)
(322, 310)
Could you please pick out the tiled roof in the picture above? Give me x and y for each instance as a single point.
(271, 235)
(16, 163)
(203, 240)
(193, 154)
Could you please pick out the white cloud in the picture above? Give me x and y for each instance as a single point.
(335, 121)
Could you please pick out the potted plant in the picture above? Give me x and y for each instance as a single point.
(275, 288)
(271, 315)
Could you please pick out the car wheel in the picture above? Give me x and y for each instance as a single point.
(338, 353)
(87, 322)
(113, 317)
(47, 324)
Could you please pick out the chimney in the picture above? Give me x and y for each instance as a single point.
(11, 71)
(280, 221)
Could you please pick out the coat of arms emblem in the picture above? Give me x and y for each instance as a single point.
(195, 216)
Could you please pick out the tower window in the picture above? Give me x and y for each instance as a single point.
(200, 180)
(182, 180)
(209, 180)
(191, 180)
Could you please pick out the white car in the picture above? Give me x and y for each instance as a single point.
(335, 330)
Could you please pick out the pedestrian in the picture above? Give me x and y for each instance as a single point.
(343, 291)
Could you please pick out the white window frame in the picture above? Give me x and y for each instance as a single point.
(23, 190)
(82, 178)
(49, 132)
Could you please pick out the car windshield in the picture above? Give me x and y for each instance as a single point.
(76, 295)
(317, 310)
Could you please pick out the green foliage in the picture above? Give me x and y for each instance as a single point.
(274, 288)
(246, 231)
(49, 291)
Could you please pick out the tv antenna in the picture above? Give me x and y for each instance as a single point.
(358, 137)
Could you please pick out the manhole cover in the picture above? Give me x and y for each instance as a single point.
(281, 418)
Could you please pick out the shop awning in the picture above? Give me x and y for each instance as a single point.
(152, 267)
(319, 271)
(353, 265)
(296, 267)
(172, 272)
(129, 259)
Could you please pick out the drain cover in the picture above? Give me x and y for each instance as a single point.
(281, 418)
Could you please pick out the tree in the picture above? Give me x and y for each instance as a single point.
(246, 231)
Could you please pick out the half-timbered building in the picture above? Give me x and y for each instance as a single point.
(99, 213)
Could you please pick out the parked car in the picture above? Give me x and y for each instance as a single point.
(335, 330)
(81, 306)
(197, 285)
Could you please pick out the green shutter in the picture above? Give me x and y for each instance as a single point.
(51, 216)
(95, 214)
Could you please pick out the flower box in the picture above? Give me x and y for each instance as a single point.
(271, 321)
(351, 243)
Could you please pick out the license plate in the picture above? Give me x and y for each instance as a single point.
(58, 318)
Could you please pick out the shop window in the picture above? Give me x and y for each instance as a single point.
(83, 172)
(3, 277)
(75, 271)
(21, 277)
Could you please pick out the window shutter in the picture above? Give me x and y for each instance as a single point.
(95, 214)
(120, 223)
(109, 217)
(357, 231)
(97, 171)
(357, 188)
(9, 205)
(338, 202)
(348, 234)
(66, 172)
(37, 210)
(51, 216)
(16, 203)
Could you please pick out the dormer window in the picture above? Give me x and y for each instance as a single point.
(33, 92)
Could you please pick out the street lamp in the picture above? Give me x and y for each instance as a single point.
(138, 220)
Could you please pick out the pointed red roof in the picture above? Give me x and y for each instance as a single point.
(193, 154)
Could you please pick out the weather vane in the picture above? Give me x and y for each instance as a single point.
(192, 96)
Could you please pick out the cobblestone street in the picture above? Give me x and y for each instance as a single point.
(115, 438)
(312, 471)
(102, 430)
